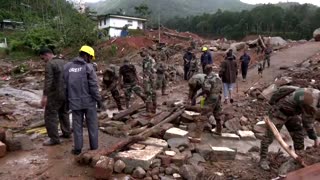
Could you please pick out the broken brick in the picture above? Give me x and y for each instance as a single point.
(175, 133)
(104, 168)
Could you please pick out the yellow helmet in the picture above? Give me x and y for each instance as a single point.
(204, 49)
(89, 50)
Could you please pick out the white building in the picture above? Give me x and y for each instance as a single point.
(114, 23)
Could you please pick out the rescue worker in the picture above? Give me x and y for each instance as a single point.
(267, 55)
(111, 81)
(285, 110)
(187, 58)
(228, 73)
(129, 81)
(149, 81)
(206, 58)
(245, 61)
(162, 72)
(195, 84)
(83, 97)
(53, 99)
(212, 89)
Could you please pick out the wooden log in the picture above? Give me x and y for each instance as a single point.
(129, 111)
(177, 36)
(282, 143)
(160, 117)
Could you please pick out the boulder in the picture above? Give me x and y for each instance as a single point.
(119, 166)
(238, 46)
(276, 41)
(316, 34)
(139, 172)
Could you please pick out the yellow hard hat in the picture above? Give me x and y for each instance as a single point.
(204, 49)
(89, 50)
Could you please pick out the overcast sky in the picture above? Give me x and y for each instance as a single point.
(317, 2)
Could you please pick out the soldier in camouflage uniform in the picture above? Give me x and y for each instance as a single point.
(111, 80)
(149, 81)
(53, 99)
(267, 55)
(285, 111)
(212, 89)
(195, 83)
(162, 72)
(129, 80)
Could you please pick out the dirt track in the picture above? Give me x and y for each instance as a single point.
(287, 57)
(57, 162)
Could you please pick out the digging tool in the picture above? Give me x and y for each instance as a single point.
(282, 143)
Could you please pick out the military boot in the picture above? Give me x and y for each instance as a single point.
(264, 164)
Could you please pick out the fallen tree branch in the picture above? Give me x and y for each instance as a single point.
(282, 143)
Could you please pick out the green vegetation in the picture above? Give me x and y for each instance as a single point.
(167, 8)
(294, 22)
(56, 24)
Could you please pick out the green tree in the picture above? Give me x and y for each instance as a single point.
(142, 10)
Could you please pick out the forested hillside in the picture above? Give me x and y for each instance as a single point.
(168, 8)
(294, 22)
(53, 23)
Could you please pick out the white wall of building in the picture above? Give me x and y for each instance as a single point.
(120, 23)
(113, 32)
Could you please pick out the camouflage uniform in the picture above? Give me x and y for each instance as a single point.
(149, 82)
(111, 80)
(195, 83)
(56, 102)
(267, 55)
(213, 87)
(128, 72)
(162, 70)
(304, 101)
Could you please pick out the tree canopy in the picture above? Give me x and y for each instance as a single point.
(294, 22)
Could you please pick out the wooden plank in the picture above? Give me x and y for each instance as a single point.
(129, 111)
(311, 172)
(160, 117)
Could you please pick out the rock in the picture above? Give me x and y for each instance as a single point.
(216, 153)
(19, 142)
(177, 142)
(143, 158)
(260, 127)
(176, 175)
(243, 119)
(190, 172)
(233, 124)
(155, 177)
(139, 172)
(104, 168)
(147, 178)
(238, 46)
(224, 46)
(154, 142)
(137, 146)
(316, 34)
(119, 166)
(289, 166)
(196, 158)
(246, 135)
(175, 168)
(94, 160)
(169, 171)
(166, 177)
(155, 171)
(276, 41)
(165, 160)
(170, 153)
(212, 120)
(254, 149)
(156, 163)
(3, 149)
(227, 136)
(187, 153)
(175, 133)
(302, 41)
(179, 159)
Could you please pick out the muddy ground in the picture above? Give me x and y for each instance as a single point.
(57, 162)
